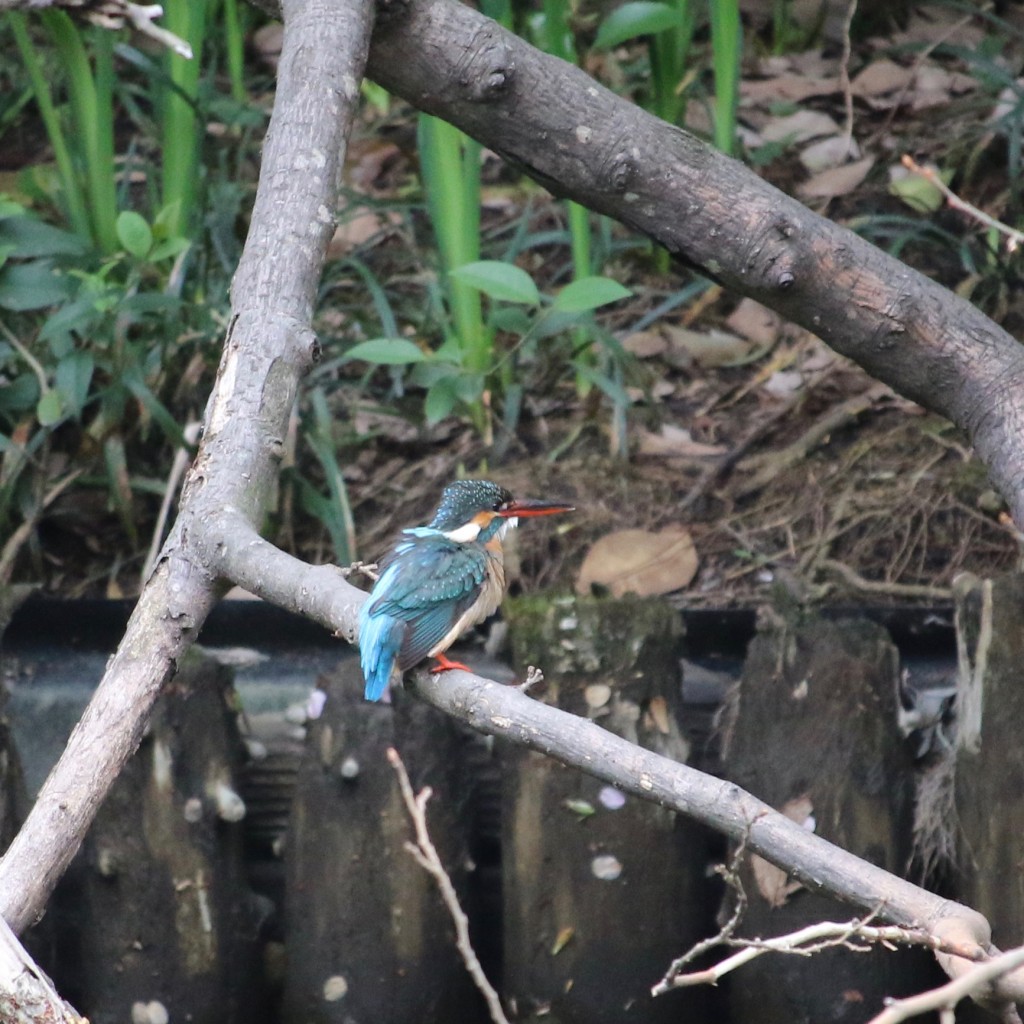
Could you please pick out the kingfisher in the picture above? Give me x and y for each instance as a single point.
(440, 580)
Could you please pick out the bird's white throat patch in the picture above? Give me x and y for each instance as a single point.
(469, 533)
(464, 534)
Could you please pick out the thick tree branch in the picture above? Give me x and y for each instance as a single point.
(27, 996)
(582, 141)
(322, 594)
(268, 348)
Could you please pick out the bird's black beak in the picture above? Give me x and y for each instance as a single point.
(523, 507)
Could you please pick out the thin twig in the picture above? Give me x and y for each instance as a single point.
(770, 466)
(912, 590)
(34, 364)
(112, 14)
(731, 875)
(182, 460)
(844, 78)
(425, 854)
(9, 552)
(1014, 238)
(808, 941)
(945, 997)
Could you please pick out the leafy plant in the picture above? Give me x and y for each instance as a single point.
(82, 343)
(669, 26)
(447, 378)
(553, 32)
(450, 168)
(81, 131)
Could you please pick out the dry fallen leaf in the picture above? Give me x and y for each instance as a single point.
(640, 562)
(880, 78)
(713, 348)
(787, 87)
(644, 344)
(802, 126)
(755, 322)
(773, 883)
(830, 152)
(839, 181)
(357, 230)
(677, 441)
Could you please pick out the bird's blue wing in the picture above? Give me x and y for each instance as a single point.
(428, 583)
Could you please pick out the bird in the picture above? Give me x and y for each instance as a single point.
(440, 580)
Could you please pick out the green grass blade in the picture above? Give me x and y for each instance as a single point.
(727, 47)
(180, 124)
(73, 194)
(337, 515)
(451, 171)
(91, 96)
(234, 41)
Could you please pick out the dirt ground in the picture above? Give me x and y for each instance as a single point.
(782, 462)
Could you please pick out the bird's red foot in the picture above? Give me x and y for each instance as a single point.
(444, 664)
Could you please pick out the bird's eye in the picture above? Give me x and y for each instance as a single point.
(501, 506)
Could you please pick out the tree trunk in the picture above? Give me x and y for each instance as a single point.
(601, 890)
(367, 935)
(812, 729)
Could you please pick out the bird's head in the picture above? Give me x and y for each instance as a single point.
(479, 510)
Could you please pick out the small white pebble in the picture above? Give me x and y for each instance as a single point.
(335, 987)
(606, 866)
(611, 798)
(315, 704)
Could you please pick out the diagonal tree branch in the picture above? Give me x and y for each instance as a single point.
(581, 141)
(322, 594)
(269, 346)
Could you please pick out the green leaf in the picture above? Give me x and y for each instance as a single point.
(581, 807)
(73, 377)
(134, 233)
(49, 408)
(168, 248)
(440, 399)
(79, 315)
(504, 281)
(641, 18)
(387, 352)
(589, 293)
(511, 319)
(32, 238)
(919, 192)
(34, 285)
(20, 394)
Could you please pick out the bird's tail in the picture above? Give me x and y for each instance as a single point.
(380, 638)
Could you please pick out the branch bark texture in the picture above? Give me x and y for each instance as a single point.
(269, 346)
(581, 141)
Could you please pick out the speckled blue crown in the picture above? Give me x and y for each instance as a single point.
(463, 499)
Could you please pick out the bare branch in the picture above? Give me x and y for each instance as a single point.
(1013, 237)
(112, 14)
(976, 982)
(806, 942)
(425, 854)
